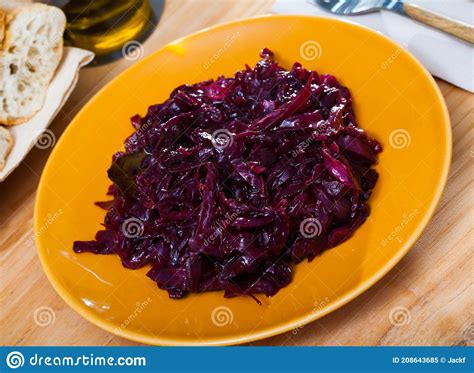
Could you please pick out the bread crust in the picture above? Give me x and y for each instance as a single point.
(2, 27)
(5, 133)
(9, 122)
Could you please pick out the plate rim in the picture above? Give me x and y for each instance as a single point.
(286, 325)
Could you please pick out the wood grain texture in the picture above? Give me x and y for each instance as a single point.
(433, 282)
(458, 29)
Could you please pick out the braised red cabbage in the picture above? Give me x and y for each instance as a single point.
(230, 182)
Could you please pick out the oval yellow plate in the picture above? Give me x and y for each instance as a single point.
(396, 101)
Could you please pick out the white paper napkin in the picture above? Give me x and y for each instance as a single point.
(443, 55)
(27, 134)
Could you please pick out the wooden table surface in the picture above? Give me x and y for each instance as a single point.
(433, 282)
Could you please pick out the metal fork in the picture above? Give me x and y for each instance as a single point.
(441, 22)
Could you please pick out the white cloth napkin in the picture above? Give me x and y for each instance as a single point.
(443, 55)
(31, 133)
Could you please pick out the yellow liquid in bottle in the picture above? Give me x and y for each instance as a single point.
(104, 26)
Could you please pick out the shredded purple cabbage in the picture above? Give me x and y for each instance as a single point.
(229, 182)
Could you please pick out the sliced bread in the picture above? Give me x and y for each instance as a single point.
(6, 143)
(2, 27)
(31, 52)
